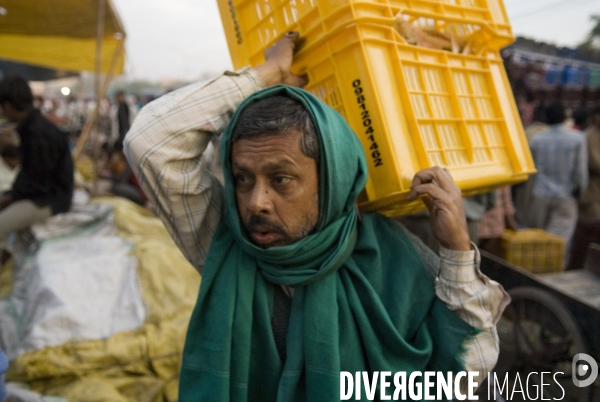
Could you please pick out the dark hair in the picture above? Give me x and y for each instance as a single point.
(596, 109)
(529, 97)
(15, 90)
(555, 113)
(278, 115)
(580, 117)
(539, 113)
(11, 151)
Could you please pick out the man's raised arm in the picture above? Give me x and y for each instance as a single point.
(459, 283)
(165, 144)
(164, 147)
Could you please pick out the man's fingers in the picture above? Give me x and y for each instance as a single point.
(297, 80)
(429, 175)
(286, 44)
(438, 175)
(293, 35)
(432, 189)
(422, 176)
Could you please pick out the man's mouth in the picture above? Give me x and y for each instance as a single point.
(264, 238)
(264, 233)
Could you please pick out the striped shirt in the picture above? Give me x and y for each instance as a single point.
(166, 149)
(560, 156)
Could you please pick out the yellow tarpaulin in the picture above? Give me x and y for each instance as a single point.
(141, 365)
(60, 34)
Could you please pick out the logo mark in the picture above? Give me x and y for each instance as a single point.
(581, 370)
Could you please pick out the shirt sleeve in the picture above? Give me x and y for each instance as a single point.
(471, 295)
(477, 300)
(165, 148)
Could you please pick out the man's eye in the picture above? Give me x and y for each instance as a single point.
(241, 178)
(281, 180)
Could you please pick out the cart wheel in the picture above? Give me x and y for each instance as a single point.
(539, 334)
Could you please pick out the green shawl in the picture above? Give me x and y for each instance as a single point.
(363, 300)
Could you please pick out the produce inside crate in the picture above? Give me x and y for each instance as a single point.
(412, 107)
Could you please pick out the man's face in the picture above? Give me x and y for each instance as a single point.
(276, 188)
(9, 112)
(12, 162)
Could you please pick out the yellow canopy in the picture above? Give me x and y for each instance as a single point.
(60, 34)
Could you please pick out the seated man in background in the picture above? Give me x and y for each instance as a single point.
(44, 185)
(297, 286)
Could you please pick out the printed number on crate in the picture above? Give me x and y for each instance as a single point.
(367, 123)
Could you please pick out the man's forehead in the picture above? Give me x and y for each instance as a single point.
(266, 164)
(268, 151)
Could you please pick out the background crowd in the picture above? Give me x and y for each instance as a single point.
(563, 198)
(103, 161)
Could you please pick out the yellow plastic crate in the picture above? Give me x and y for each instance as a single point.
(253, 25)
(533, 249)
(411, 107)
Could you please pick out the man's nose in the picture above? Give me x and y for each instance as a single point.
(260, 199)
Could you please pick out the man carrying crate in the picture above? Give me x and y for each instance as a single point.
(297, 286)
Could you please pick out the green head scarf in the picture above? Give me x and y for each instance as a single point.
(362, 300)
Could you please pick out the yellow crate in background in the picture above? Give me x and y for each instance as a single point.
(411, 107)
(533, 249)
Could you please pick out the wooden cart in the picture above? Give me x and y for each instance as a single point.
(552, 317)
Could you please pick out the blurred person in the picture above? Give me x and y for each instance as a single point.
(588, 224)
(534, 78)
(76, 113)
(476, 207)
(38, 102)
(139, 101)
(500, 217)
(580, 119)
(44, 185)
(522, 192)
(9, 163)
(296, 286)
(538, 123)
(560, 156)
(55, 113)
(124, 182)
(123, 114)
(104, 125)
(526, 107)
